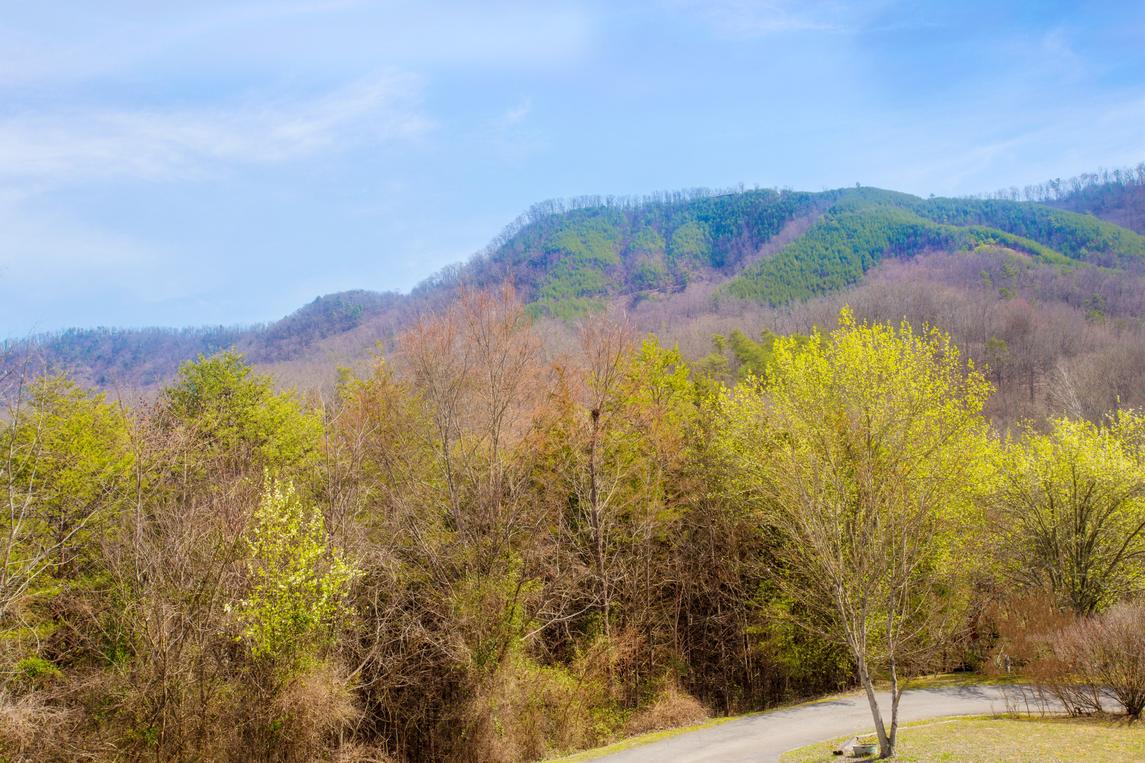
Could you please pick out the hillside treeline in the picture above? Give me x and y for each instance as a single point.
(486, 550)
(1116, 195)
(115, 358)
(865, 226)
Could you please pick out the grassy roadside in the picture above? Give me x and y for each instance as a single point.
(993, 739)
(921, 682)
(943, 680)
(656, 736)
(637, 741)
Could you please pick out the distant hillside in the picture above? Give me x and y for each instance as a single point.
(109, 357)
(1119, 199)
(568, 262)
(324, 317)
(865, 225)
(710, 250)
(1117, 196)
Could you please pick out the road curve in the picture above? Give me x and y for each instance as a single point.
(764, 736)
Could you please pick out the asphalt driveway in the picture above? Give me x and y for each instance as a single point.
(764, 736)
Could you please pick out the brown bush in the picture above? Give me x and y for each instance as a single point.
(31, 729)
(1105, 655)
(304, 719)
(356, 752)
(671, 708)
(528, 711)
(1021, 627)
(1080, 663)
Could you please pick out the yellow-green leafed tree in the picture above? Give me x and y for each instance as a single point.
(298, 581)
(236, 420)
(1072, 503)
(867, 449)
(64, 469)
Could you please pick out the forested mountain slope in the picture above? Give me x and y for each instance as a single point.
(698, 252)
(1121, 202)
(866, 225)
(1115, 195)
(110, 357)
(568, 261)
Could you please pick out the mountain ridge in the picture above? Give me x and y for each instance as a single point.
(567, 259)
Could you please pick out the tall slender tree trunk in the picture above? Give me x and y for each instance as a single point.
(896, 695)
(886, 747)
(597, 523)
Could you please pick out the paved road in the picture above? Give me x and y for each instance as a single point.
(765, 736)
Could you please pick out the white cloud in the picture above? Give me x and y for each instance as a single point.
(516, 114)
(55, 43)
(510, 137)
(756, 18)
(66, 146)
(971, 155)
(56, 271)
(66, 42)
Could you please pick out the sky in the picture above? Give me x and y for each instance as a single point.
(224, 161)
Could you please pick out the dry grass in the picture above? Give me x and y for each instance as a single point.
(1004, 740)
(321, 698)
(312, 711)
(354, 752)
(29, 728)
(528, 712)
(671, 709)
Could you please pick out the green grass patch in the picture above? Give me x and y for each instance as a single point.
(982, 739)
(839, 250)
(1077, 236)
(943, 680)
(647, 241)
(690, 242)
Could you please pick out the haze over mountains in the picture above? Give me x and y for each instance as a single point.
(695, 265)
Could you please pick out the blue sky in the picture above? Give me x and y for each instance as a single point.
(189, 163)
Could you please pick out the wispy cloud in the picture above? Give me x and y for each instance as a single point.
(757, 18)
(516, 114)
(81, 44)
(510, 137)
(70, 146)
(1055, 56)
(976, 156)
(51, 262)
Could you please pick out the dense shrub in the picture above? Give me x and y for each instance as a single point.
(1105, 653)
(1085, 664)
